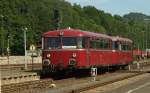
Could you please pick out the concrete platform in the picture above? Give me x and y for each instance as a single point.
(140, 86)
(17, 76)
(140, 66)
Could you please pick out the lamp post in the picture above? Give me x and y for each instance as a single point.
(8, 48)
(146, 37)
(143, 43)
(25, 47)
(146, 32)
(2, 35)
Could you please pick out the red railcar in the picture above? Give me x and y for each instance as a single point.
(73, 48)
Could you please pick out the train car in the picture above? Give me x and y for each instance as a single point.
(122, 51)
(137, 54)
(68, 48)
(148, 53)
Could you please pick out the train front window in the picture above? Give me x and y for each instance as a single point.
(69, 42)
(52, 43)
(64, 43)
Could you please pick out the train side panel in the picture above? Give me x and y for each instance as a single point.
(100, 58)
(122, 57)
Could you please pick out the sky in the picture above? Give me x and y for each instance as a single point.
(119, 7)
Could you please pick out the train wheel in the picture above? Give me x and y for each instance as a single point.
(123, 67)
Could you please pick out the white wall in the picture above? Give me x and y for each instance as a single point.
(19, 60)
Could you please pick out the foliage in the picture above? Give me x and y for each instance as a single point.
(38, 17)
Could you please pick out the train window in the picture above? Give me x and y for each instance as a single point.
(81, 42)
(69, 42)
(126, 47)
(106, 44)
(93, 44)
(129, 47)
(99, 44)
(52, 43)
(120, 46)
(115, 45)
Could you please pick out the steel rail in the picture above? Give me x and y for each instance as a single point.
(10, 88)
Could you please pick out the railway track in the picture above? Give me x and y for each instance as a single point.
(86, 88)
(63, 86)
(84, 84)
(19, 87)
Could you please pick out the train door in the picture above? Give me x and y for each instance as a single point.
(121, 53)
(92, 52)
(87, 46)
(115, 52)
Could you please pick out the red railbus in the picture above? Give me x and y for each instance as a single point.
(68, 48)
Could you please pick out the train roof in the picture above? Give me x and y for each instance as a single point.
(69, 32)
(117, 38)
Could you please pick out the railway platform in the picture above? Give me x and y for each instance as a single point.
(140, 86)
(17, 76)
(142, 65)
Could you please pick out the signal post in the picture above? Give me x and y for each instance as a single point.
(32, 49)
(94, 73)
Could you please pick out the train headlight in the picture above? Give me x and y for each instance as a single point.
(46, 62)
(48, 55)
(113, 50)
(72, 62)
(74, 55)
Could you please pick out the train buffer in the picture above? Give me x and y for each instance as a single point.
(9, 77)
